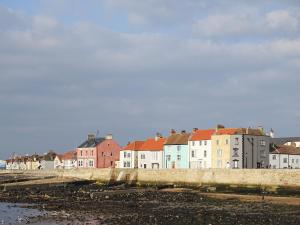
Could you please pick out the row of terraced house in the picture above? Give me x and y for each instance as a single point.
(220, 147)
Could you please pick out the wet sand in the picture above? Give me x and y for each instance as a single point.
(79, 203)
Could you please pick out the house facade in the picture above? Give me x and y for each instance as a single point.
(176, 151)
(240, 148)
(108, 153)
(98, 152)
(284, 157)
(87, 152)
(129, 155)
(200, 148)
(150, 155)
(69, 160)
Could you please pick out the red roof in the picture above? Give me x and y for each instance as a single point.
(134, 146)
(153, 145)
(69, 155)
(199, 135)
(227, 131)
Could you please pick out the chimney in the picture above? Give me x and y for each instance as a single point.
(183, 132)
(219, 126)
(109, 137)
(91, 137)
(172, 131)
(195, 129)
(158, 136)
(261, 129)
(272, 134)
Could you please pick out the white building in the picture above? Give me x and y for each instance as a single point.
(200, 148)
(285, 157)
(150, 155)
(129, 155)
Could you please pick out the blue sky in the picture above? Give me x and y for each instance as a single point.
(134, 68)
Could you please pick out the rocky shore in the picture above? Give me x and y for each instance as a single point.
(92, 203)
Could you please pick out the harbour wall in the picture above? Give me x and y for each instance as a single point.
(183, 177)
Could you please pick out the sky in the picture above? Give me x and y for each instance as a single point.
(133, 68)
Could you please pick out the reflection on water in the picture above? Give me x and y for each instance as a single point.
(14, 214)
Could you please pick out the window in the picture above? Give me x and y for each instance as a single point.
(178, 147)
(297, 160)
(102, 153)
(86, 153)
(205, 142)
(111, 163)
(168, 157)
(219, 163)
(128, 155)
(124, 164)
(235, 164)
(293, 160)
(143, 156)
(262, 153)
(274, 157)
(193, 154)
(91, 163)
(205, 154)
(81, 153)
(111, 154)
(285, 160)
(274, 166)
(92, 152)
(217, 142)
(227, 142)
(262, 143)
(80, 163)
(145, 166)
(235, 152)
(236, 141)
(178, 157)
(193, 143)
(200, 142)
(128, 164)
(219, 152)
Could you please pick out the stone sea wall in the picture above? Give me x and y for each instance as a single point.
(185, 177)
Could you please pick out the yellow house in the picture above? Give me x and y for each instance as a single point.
(220, 147)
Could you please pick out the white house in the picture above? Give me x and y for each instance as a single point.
(200, 148)
(150, 155)
(285, 157)
(129, 155)
(69, 159)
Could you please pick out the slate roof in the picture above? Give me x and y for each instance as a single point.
(282, 141)
(178, 139)
(286, 149)
(91, 143)
(199, 135)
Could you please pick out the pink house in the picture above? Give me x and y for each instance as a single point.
(98, 152)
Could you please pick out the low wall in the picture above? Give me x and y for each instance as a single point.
(245, 177)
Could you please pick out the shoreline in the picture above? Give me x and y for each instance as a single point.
(77, 201)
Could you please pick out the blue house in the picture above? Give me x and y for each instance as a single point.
(176, 151)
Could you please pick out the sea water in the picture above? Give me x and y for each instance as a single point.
(16, 214)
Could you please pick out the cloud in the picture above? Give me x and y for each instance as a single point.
(61, 81)
(277, 23)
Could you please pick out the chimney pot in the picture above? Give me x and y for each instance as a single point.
(109, 137)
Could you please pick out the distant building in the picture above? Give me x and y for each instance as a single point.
(240, 148)
(291, 141)
(47, 161)
(2, 164)
(150, 154)
(129, 155)
(98, 152)
(285, 157)
(176, 151)
(200, 148)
